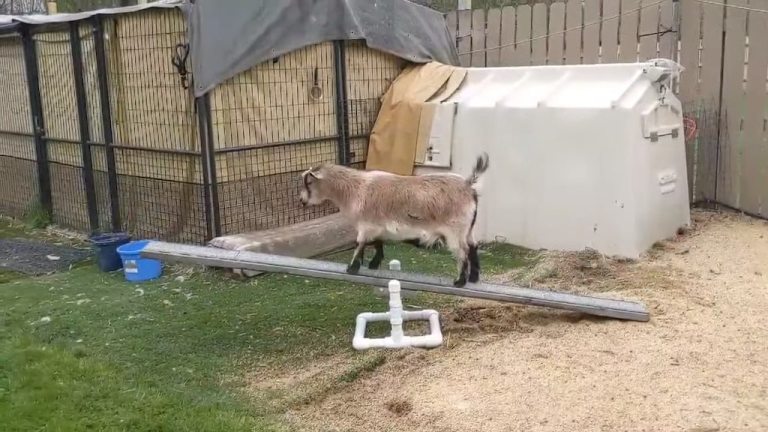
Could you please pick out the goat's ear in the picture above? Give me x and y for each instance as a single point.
(316, 174)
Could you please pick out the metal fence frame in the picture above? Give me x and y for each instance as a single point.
(97, 221)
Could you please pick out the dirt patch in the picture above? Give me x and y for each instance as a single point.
(701, 363)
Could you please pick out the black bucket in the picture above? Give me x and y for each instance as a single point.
(105, 246)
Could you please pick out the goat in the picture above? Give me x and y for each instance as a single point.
(416, 209)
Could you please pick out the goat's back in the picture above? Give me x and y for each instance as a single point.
(416, 200)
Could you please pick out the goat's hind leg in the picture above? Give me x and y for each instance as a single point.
(460, 248)
(474, 263)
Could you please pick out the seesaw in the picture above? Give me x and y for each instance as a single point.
(214, 257)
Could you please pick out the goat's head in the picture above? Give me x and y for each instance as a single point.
(311, 186)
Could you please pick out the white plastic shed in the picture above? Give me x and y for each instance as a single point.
(588, 156)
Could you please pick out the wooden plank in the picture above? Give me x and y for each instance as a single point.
(609, 34)
(755, 151)
(452, 22)
(731, 106)
(591, 50)
(465, 37)
(690, 30)
(667, 38)
(261, 262)
(557, 37)
(628, 31)
(649, 29)
(522, 56)
(539, 34)
(493, 37)
(573, 23)
(508, 25)
(709, 101)
(478, 38)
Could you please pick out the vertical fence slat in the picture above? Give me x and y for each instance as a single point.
(477, 59)
(755, 156)
(628, 31)
(649, 29)
(591, 51)
(522, 56)
(557, 37)
(493, 37)
(508, 25)
(539, 34)
(690, 28)
(668, 39)
(609, 34)
(709, 97)
(573, 35)
(465, 37)
(729, 160)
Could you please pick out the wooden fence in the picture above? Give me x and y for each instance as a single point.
(723, 89)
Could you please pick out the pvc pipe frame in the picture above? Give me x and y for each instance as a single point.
(396, 316)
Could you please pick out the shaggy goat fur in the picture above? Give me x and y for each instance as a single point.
(417, 209)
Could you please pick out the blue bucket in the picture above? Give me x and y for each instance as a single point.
(135, 267)
(105, 246)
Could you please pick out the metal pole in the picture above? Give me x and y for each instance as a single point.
(212, 177)
(202, 127)
(106, 120)
(38, 122)
(342, 115)
(85, 133)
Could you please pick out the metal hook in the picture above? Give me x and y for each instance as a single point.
(316, 92)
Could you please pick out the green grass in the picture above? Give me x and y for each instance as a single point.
(84, 350)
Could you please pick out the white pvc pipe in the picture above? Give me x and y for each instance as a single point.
(396, 316)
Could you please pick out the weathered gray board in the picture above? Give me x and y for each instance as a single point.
(327, 270)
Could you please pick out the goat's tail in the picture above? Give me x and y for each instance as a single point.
(481, 166)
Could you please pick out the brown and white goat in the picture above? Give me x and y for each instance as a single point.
(416, 209)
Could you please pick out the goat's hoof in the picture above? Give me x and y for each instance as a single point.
(474, 278)
(458, 283)
(353, 268)
(374, 265)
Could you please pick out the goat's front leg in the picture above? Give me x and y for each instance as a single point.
(378, 257)
(363, 238)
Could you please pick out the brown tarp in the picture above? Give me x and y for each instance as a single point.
(400, 134)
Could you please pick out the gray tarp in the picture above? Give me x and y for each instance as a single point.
(229, 37)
